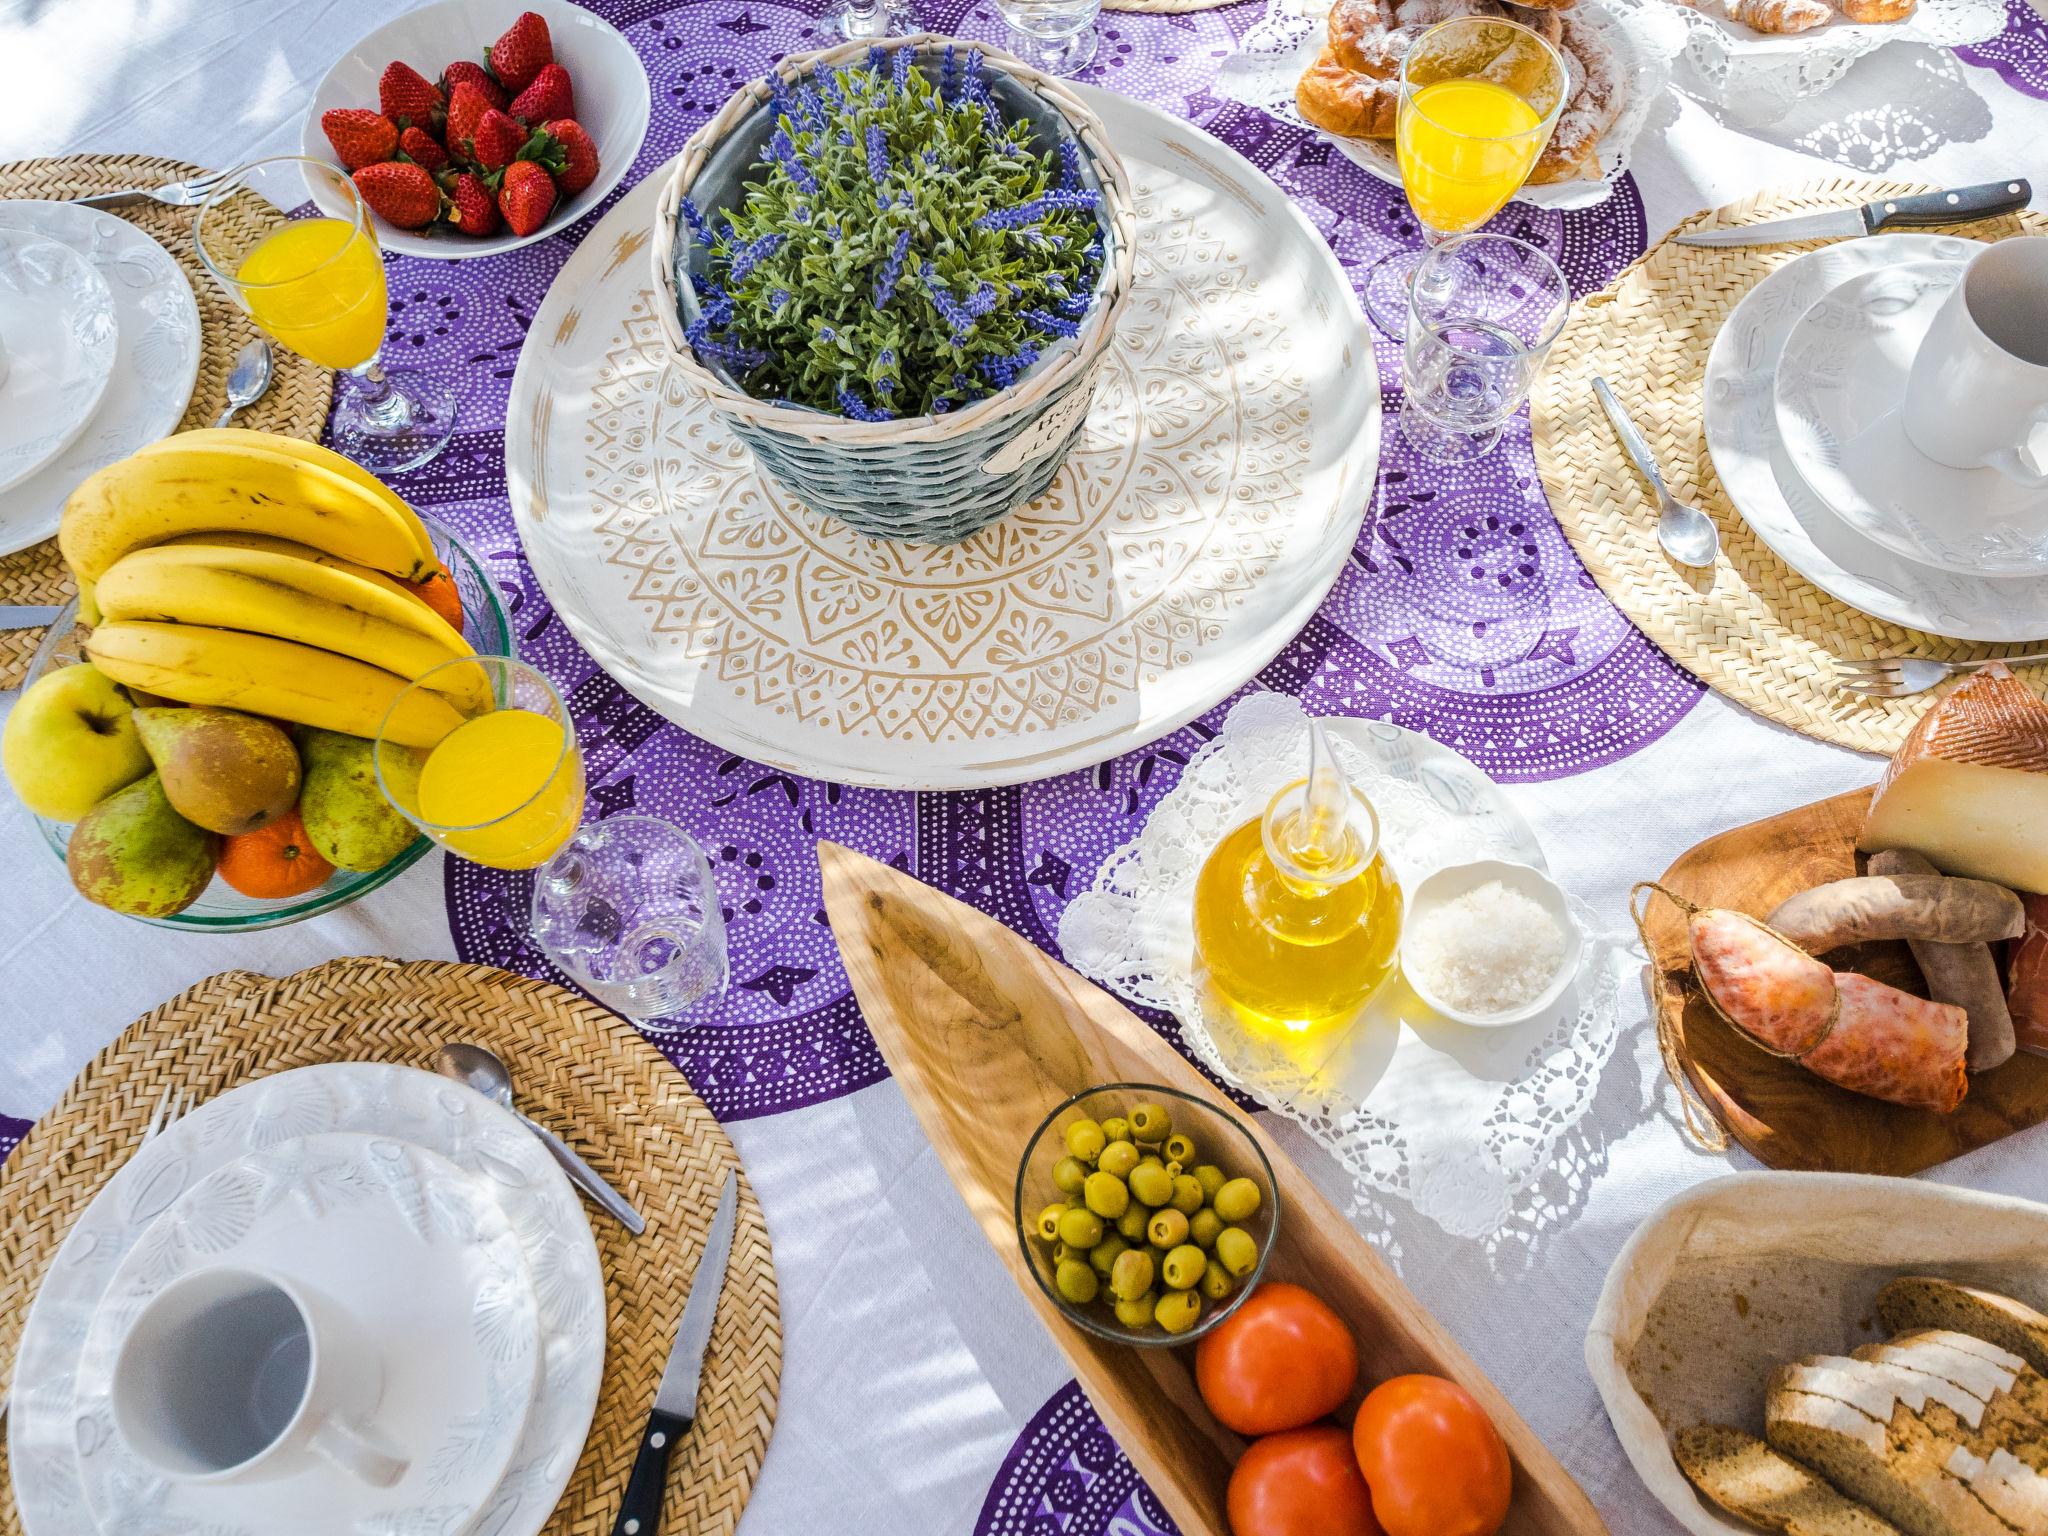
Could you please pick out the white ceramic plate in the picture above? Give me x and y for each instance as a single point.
(604, 72)
(1841, 385)
(58, 338)
(1742, 436)
(420, 1259)
(398, 1103)
(154, 368)
(1215, 492)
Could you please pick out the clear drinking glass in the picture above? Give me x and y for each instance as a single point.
(629, 909)
(1482, 314)
(1057, 36)
(858, 20)
(317, 286)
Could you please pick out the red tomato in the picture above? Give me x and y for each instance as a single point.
(1302, 1482)
(1281, 1360)
(1434, 1461)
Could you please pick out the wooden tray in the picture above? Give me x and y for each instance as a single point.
(1781, 1112)
(985, 1035)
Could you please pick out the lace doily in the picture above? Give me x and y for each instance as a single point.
(1458, 1122)
(1271, 56)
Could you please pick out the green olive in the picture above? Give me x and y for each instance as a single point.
(1168, 1228)
(1210, 1177)
(1151, 1184)
(1076, 1282)
(1149, 1122)
(1216, 1282)
(1068, 1175)
(1237, 1200)
(1103, 1256)
(1183, 1267)
(1131, 1225)
(1047, 1225)
(1116, 1128)
(1187, 1194)
(1176, 1311)
(1080, 1229)
(1203, 1227)
(1180, 1147)
(1132, 1276)
(1085, 1140)
(1061, 1253)
(1119, 1158)
(1136, 1312)
(1106, 1195)
(1236, 1251)
(1173, 1169)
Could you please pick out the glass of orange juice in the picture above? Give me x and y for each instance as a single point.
(1479, 98)
(317, 286)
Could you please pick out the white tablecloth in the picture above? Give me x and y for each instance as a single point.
(911, 1362)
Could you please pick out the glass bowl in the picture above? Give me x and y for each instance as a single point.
(1220, 1138)
(223, 909)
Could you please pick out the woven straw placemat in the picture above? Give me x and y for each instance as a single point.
(1753, 629)
(299, 390)
(578, 1069)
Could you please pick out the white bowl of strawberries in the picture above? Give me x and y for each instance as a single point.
(478, 126)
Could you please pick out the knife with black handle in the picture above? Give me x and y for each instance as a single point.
(1923, 210)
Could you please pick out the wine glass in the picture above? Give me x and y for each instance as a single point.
(317, 286)
(1056, 36)
(1479, 98)
(861, 20)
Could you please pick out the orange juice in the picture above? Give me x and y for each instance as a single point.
(1465, 146)
(506, 786)
(317, 285)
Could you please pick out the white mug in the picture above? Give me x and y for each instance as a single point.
(1978, 392)
(236, 1375)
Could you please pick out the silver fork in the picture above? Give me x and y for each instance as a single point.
(175, 194)
(1894, 677)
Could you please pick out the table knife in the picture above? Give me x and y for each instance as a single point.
(675, 1400)
(28, 615)
(1928, 208)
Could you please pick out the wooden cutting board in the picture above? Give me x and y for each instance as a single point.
(1777, 1109)
(985, 1035)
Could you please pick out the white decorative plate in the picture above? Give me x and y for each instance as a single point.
(155, 366)
(418, 1256)
(1742, 436)
(57, 343)
(1841, 384)
(398, 1103)
(1216, 490)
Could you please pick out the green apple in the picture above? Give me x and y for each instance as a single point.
(70, 742)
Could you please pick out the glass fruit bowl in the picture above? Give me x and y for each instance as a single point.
(220, 907)
(1220, 1138)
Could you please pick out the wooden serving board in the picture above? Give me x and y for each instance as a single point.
(985, 1035)
(1777, 1109)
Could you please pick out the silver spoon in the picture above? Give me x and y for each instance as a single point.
(482, 1070)
(1687, 534)
(248, 381)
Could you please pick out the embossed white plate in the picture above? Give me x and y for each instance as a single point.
(57, 345)
(1742, 436)
(154, 368)
(1218, 485)
(418, 1256)
(398, 1103)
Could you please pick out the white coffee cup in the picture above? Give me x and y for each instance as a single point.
(236, 1375)
(1978, 392)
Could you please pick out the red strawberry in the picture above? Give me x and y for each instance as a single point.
(548, 96)
(498, 139)
(409, 97)
(423, 149)
(400, 194)
(360, 137)
(520, 54)
(469, 72)
(476, 211)
(527, 197)
(579, 155)
(466, 109)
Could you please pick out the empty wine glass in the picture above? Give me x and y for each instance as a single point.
(1057, 36)
(858, 20)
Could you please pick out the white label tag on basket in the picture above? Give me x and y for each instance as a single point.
(1039, 439)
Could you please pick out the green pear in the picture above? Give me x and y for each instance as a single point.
(70, 742)
(348, 821)
(223, 770)
(133, 853)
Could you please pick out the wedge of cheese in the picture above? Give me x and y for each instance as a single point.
(1969, 789)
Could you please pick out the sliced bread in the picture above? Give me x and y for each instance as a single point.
(1983, 1370)
(1754, 1483)
(1920, 1301)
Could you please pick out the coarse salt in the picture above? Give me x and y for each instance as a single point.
(1491, 950)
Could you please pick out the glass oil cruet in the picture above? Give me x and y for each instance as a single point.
(1297, 916)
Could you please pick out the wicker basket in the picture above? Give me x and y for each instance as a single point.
(933, 479)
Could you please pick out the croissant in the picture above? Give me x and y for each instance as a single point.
(1878, 10)
(1779, 16)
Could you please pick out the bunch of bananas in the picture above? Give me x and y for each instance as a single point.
(265, 574)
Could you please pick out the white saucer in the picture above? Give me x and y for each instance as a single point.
(394, 1102)
(155, 366)
(1800, 528)
(57, 343)
(1841, 381)
(417, 1254)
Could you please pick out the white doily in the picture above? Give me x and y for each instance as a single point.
(1458, 1122)
(1271, 56)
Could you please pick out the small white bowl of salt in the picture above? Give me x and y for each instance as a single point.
(1490, 943)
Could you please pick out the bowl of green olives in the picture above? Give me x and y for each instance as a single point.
(1145, 1213)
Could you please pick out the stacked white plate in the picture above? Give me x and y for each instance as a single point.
(99, 348)
(426, 1214)
(1803, 393)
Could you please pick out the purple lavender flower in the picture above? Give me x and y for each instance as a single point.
(696, 221)
(941, 405)
(885, 386)
(948, 307)
(1036, 209)
(877, 57)
(983, 301)
(833, 91)
(1004, 371)
(780, 103)
(850, 405)
(899, 69)
(1074, 306)
(971, 86)
(949, 74)
(717, 305)
(751, 255)
(878, 154)
(1070, 165)
(846, 135)
(777, 299)
(1052, 325)
(931, 157)
(737, 358)
(997, 128)
(892, 269)
(783, 148)
(826, 333)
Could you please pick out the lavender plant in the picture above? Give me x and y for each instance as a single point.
(901, 252)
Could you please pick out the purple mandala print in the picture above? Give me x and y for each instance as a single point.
(2019, 54)
(1064, 1476)
(11, 1132)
